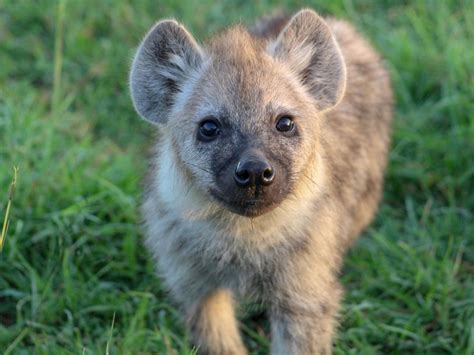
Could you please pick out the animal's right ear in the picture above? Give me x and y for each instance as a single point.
(165, 60)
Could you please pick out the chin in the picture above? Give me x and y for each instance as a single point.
(250, 208)
(250, 211)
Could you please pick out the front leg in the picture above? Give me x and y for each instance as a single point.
(303, 322)
(213, 325)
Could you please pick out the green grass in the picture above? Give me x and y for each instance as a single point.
(74, 277)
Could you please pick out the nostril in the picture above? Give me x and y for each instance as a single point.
(268, 176)
(242, 176)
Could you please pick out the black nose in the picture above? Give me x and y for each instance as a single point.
(252, 171)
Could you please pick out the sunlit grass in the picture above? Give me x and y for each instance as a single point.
(73, 257)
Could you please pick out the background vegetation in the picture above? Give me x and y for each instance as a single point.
(74, 277)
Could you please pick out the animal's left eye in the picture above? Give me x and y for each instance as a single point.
(285, 124)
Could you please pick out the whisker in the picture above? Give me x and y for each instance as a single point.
(310, 179)
(200, 168)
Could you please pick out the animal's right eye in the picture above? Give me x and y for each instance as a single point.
(208, 129)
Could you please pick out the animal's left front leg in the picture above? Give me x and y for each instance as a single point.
(213, 325)
(303, 318)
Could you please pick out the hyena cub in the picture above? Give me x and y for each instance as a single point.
(269, 162)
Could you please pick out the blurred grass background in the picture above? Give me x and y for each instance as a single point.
(73, 259)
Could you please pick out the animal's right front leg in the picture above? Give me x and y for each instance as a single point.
(213, 325)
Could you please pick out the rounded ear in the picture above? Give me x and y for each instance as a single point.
(308, 47)
(163, 63)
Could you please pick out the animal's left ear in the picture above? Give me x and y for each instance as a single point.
(307, 45)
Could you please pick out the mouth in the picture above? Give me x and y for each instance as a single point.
(247, 206)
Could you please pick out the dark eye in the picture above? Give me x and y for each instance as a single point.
(208, 129)
(285, 124)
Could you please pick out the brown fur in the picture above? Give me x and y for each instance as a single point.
(330, 172)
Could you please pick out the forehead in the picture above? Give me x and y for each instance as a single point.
(242, 80)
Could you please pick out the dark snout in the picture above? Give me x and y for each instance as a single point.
(252, 183)
(253, 169)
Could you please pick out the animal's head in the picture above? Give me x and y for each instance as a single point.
(241, 113)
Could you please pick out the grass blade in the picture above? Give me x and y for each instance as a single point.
(6, 220)
(58, 54)
(107, 349)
